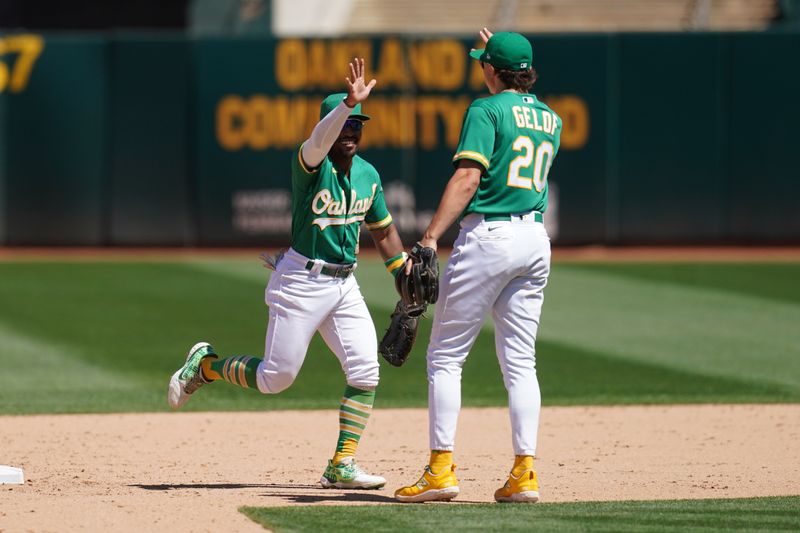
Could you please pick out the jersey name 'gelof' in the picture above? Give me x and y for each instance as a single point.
(526, 117)
(324, 203)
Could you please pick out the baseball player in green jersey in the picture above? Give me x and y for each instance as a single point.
(313, 288)
(500, 263)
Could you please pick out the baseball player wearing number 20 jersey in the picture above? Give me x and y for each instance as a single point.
(500, 263)
(312, 289)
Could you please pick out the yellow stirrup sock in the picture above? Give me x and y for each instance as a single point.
(521, 464)
(348, 449)
(208, 372)
(440, 459)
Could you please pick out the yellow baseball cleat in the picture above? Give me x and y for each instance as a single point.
(442, 486)
(522, 489)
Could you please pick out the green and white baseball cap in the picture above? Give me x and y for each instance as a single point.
(331, 101)
(506, 50)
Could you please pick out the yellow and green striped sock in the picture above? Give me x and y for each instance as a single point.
(239, 370)
(354, 410)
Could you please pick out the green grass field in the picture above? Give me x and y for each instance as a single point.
(105, 336)
(752, 514)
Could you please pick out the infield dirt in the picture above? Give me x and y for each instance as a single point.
(192, 471)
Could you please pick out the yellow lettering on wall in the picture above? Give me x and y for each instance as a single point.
(450, 65)
(288, 118)
(422, 65)
(372, 134)
(259, 122)
(406, 129)
(230, 120)
(291, 62)
(393, 123)
(452, 112)
(574, 115)
(27, 48)
(342, 53)
(391, 70)
(438, 64)
(3, 76)
(427, 127)
(264, 122)
(376, 130)
(319, 65)
(3, 67)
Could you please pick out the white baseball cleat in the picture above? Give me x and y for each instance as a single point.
(348, 475)
(189, 377)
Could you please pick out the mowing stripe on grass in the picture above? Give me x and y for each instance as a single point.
(377, 286)
(608, 380)
(776, 281)
(47, 367)
(709, 331)
(241, 269)
(751, 514)
(695, 328)
(109, 335)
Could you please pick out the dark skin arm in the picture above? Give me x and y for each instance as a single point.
(388, 242)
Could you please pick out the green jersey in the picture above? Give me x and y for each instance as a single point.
(328, 207)
(515, 137)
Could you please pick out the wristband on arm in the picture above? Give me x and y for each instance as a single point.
(394, 264)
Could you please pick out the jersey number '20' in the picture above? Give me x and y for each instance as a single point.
(522, 163)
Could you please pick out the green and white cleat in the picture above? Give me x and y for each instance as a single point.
(348, 475)
(189, 377)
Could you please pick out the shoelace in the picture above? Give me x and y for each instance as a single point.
(354, 469)
(422, 477)
(351, 468)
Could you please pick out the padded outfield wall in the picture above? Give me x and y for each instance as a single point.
(163, 140)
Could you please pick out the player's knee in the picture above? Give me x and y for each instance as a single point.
(364, 377)
(447, 362)
(273, 382)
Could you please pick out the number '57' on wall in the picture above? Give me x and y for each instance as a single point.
(18, 53)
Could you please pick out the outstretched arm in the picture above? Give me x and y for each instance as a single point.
(327, 130)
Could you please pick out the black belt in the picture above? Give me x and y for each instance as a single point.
(334, 271)
(537, 217)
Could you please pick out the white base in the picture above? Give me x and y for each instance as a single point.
(11, 476)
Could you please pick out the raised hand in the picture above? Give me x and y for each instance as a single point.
(485, 36)
(357, 90)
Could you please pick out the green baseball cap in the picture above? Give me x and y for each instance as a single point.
(335, 99)
(506, 50)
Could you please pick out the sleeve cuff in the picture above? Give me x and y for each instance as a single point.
(380, 224)
(474, 156)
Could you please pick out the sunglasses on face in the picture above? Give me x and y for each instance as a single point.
(353, 124)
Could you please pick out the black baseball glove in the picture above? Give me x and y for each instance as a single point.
(399, 338)
(421, 286)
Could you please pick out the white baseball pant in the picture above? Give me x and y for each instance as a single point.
(302, 302)
(500, 266)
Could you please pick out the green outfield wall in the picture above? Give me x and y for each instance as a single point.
(151, 197)
(56, 142)
(164, 140)
(2, 168)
